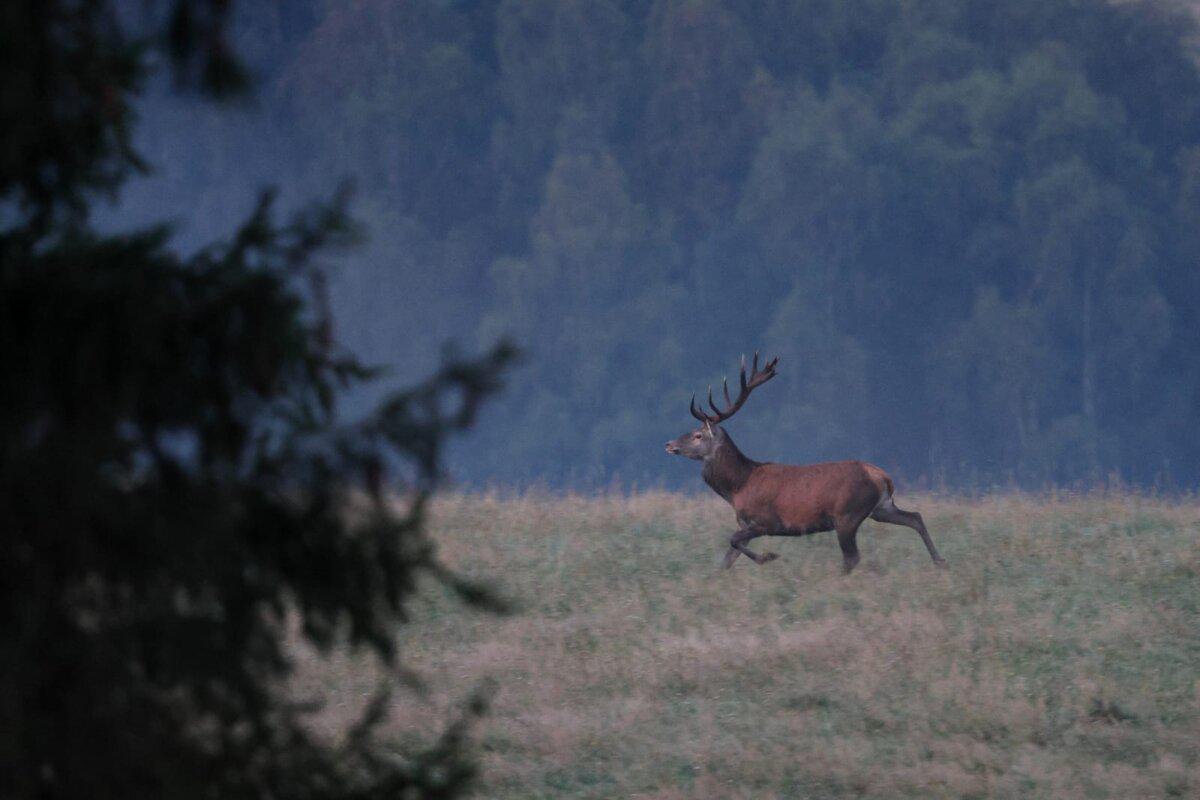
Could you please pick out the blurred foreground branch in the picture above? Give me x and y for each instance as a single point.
(174, 477)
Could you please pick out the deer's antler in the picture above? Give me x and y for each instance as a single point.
(757, 378)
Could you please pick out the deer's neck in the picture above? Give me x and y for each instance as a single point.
(727, 470)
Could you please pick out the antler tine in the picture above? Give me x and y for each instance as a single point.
(713, 405)
(725, 381)
(700, 415)
(765, 374)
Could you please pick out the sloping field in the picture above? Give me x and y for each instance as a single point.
(1059, 656)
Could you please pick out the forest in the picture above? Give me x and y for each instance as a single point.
(970, 230)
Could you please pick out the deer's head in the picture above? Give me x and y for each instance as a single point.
(704, 441)
(698, 444)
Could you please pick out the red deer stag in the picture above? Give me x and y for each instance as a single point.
(788, 500)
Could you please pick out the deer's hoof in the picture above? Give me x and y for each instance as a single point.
(768, 557)
(941, 563)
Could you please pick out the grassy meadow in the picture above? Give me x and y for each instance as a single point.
(1059, 656)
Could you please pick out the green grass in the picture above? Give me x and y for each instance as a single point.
(1059, 656)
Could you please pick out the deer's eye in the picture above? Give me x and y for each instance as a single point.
(696, 436)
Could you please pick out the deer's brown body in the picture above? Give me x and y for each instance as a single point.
(785, 499)
(795, 500)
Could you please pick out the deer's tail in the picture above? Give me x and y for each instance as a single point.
(881, 480)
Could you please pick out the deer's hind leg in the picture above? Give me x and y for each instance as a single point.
(847, 533)
(887, 512)
(737, 546)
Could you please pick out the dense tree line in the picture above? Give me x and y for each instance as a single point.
(969, 228)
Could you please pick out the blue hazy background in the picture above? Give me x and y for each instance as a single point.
(971, 230)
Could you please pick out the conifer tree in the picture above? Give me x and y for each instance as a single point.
(176, 485)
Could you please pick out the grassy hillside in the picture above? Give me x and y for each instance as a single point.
(1058, 657)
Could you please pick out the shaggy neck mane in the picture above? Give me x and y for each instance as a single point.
(727, 470)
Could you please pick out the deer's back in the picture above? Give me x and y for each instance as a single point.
(810, 498)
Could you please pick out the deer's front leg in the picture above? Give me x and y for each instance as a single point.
(737, 546)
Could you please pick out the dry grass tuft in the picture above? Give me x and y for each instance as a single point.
(1056, 658)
